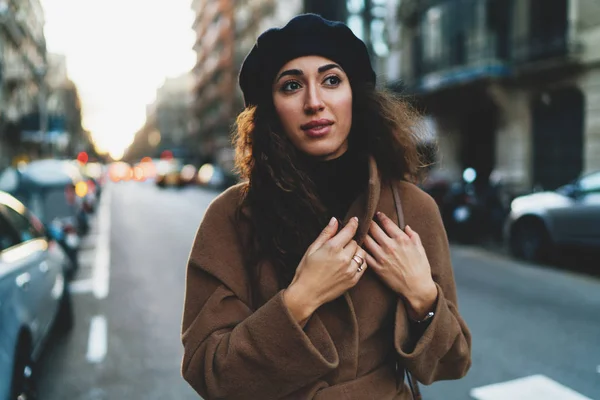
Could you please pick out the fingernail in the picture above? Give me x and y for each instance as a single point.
(379, 214)
(356, 219)
(332, 221)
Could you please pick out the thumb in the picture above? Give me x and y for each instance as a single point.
(326, 234)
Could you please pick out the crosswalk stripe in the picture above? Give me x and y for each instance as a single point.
(535, 387)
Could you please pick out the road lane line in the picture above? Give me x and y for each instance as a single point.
(82, 286)
(535, 387)
(101, 274)
(97, 340)
(598, 369)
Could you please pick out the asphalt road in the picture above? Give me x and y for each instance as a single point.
(527, 321)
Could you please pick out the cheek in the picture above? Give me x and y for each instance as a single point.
(287, 115)
(345, 112)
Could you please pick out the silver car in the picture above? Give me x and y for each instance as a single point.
(34, 296)
(541, 222)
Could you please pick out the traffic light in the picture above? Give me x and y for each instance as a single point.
(82, 157)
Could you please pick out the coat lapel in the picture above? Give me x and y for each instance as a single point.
(365, 205)
(347, 342)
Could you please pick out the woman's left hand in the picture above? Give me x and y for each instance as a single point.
(398, 257)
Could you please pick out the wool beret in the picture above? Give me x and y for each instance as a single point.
(303, 35)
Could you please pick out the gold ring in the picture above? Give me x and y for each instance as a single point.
(360, 269)
(359, 260)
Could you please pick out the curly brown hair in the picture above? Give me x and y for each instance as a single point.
(286, 214)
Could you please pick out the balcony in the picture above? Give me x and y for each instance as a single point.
(456, 43)
(548, 41)
(459, 42)
(8, 21)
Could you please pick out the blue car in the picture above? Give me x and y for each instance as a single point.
(34, 295)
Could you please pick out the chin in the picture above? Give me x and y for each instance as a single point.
(324, 150)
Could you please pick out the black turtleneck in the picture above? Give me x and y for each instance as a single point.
(340, 181)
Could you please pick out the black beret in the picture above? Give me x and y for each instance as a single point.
(305, 34)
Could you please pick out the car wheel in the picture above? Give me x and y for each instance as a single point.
(530, 241)
(22, 386)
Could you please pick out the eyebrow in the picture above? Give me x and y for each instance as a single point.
(298, 72)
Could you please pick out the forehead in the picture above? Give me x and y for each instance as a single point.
(306, 63)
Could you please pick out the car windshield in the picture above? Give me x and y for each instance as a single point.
(52, 172)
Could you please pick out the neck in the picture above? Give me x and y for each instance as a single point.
(339, 181)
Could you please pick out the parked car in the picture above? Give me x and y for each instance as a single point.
(34, 295)
(214, 177)
(55, 191)
(541, 222)
(168, 173)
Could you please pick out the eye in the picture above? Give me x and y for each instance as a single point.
(332, 80)
(290, 86)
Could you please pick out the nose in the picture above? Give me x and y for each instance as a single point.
(313, 102)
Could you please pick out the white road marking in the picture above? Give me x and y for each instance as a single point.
(97, 340)
(598, 369)
(535, 387)
(82, 286)
(101, 273)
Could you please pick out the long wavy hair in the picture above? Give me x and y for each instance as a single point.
(285, 213)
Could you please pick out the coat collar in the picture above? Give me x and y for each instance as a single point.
(365, 205)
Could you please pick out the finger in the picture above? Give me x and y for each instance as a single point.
(361, 270)
(345, 234)
(359, 257)
(351, 249)
(389, 226)
(372, 246)
(412, 234)
(325, 234)
(360, 267)
(373, 263)
(378, 234)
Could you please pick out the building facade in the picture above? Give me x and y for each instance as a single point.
(512, 85)
(173, 112)
(65, 134)
(23, 67)
(168, 124)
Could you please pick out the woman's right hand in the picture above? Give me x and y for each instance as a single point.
(326, 270)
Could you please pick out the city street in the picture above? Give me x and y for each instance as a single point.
(527, 321)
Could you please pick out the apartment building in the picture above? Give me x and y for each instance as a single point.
(512, 86)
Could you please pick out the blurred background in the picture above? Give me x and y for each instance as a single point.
(115, 134)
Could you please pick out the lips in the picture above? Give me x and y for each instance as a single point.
(316, 124)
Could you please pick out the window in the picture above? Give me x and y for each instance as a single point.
(590, 183)
(432, 34)
(8, 236)
(22, 224)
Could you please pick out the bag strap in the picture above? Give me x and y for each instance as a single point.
(412, 382)
(398, 204)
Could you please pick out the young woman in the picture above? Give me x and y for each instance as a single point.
(303, 282)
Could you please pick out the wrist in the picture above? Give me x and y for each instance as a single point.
(298, 304)
(419, 306)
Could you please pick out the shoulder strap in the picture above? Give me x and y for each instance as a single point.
(412, 382)
(398, 204)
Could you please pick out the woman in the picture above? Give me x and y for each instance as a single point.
(301, 283)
